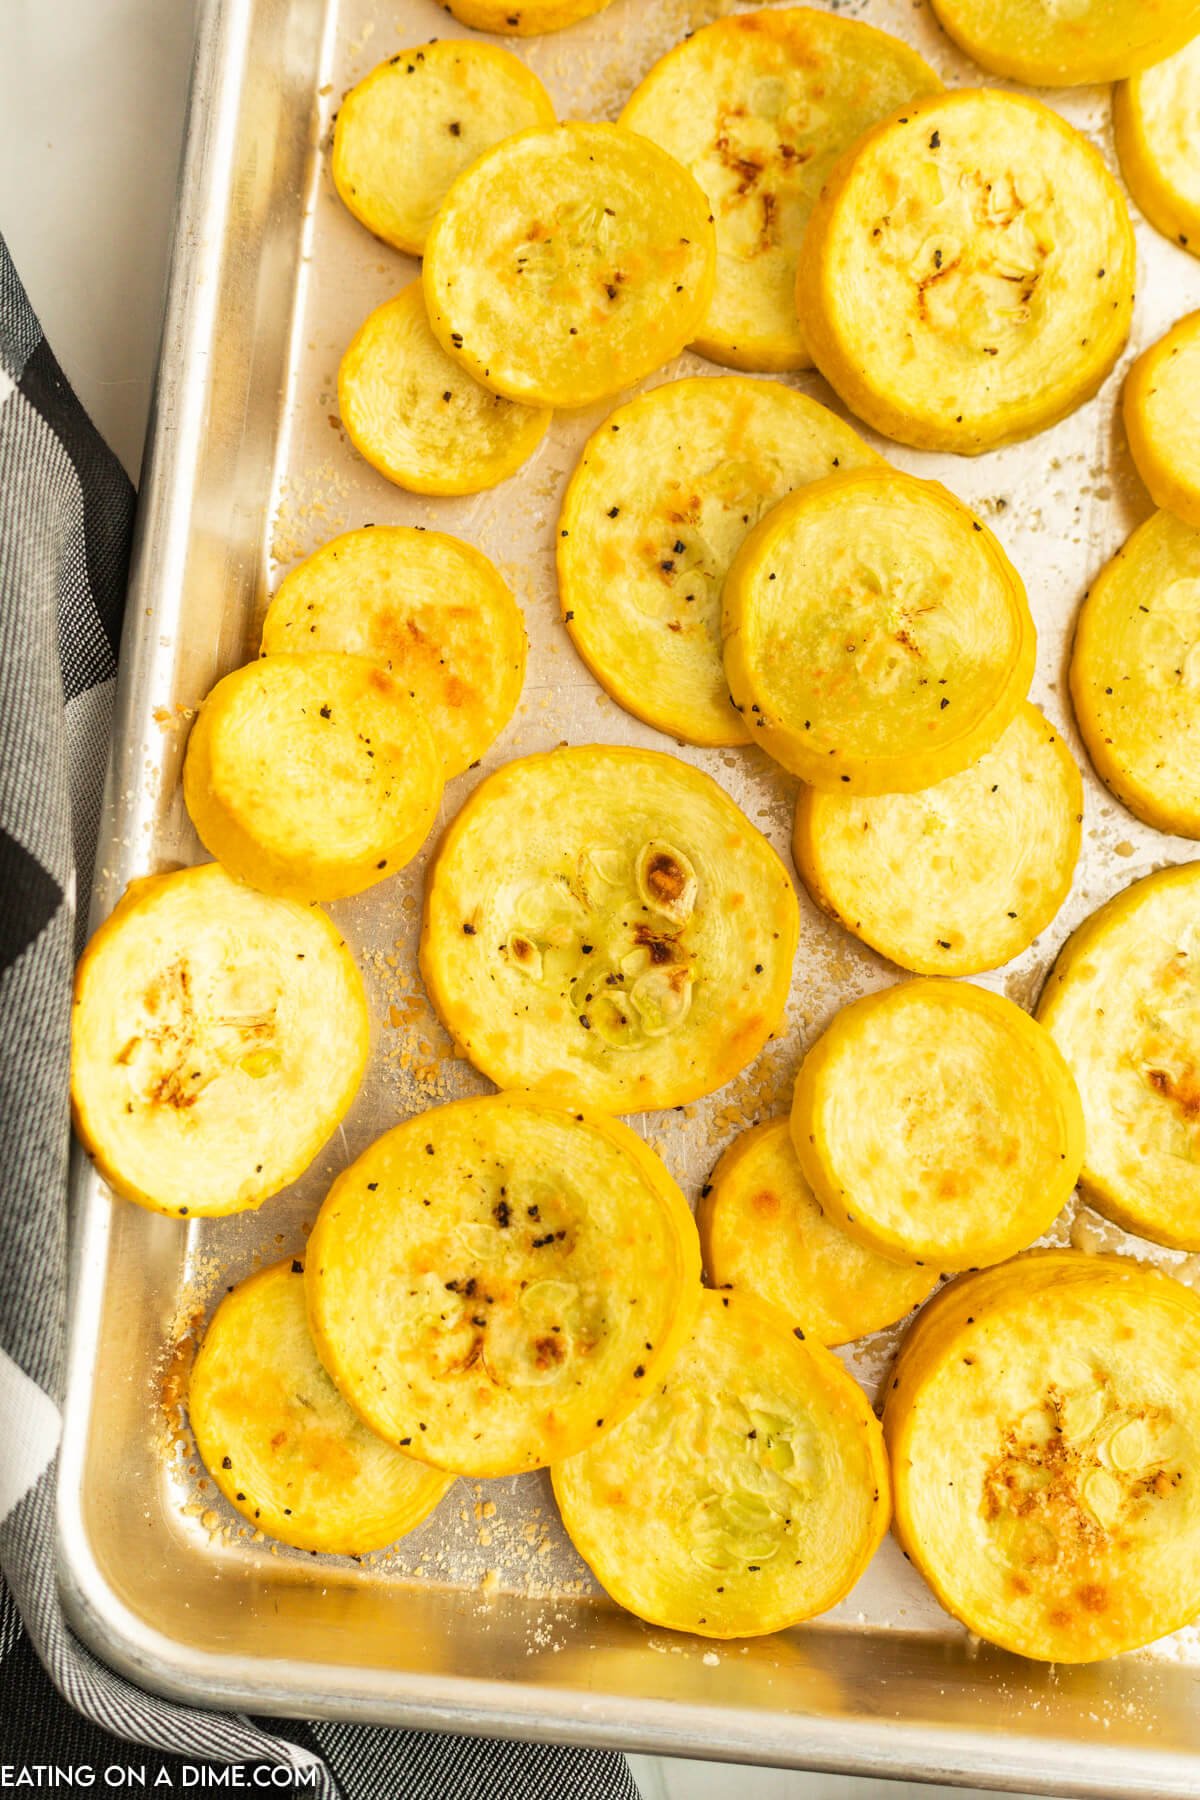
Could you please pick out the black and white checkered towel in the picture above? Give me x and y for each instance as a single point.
(66, 511)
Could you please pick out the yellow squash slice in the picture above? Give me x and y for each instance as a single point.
(939, 1123)
(961, 876)
(418, 417)
(1156, 123)
(605, 923)
(1042, 1425)
(417, 121)
(281, 1443)
(217, 1039)
(567, 263)
(312, 776)
(877, 638)
(496, 1282)
(1051, 44)
(661, 500)
(763, 1232)
(750, 1491)
(758, 107)
(522, 18)
(1135, 674)
(967, 274)
(428, 607)
(1162, 418)
(1123, 1004)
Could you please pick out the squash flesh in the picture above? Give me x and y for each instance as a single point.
(412, 125)
(973, 1137)
(961, 876)
(312, 776)
(427, 607)
(567, 263)
(496, 1282)
(763, 1232)
(876, 635)
(418, 417)
(280, 1442)
(1123, 1004)
(556, 965)
(1059, 1516)
(758, 107)
(661, 500)
(967, 275)
(749, 1492)
(218, 1037)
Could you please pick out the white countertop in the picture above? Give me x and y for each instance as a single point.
(92, 94)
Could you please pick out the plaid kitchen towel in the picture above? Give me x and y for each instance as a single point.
(66, 512)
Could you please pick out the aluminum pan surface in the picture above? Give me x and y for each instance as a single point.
(250, 470)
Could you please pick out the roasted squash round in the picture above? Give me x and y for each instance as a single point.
(217, 1039)
(496, 1282)
(763, 1233)
(1067, 46)
(1042, 1425)
(1156, 121)
(312, 776)
(418, 417)
(1122, 1003)
(605, 923)
(961, 876)
(1162, 420)
(938, 1123)
(758, 107)
(877, 638)
(281, 1443)
(1134, 666)
(747, 1493)
(431, 609)
(414, 123)
(967, 274)
(568, 262)
(522, 18)
(661, 499)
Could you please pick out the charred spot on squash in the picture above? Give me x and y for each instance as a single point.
(1182, 1090)
(665, 877)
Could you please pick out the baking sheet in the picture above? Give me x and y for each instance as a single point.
(252, 471)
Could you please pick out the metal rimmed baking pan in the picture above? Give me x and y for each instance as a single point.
(484, 1619)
